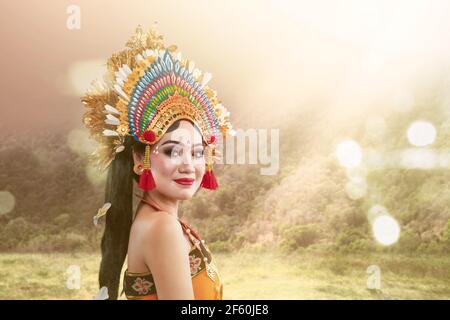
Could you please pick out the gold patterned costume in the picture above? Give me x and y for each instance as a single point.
(206, 280)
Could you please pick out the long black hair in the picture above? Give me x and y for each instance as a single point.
(119, 192)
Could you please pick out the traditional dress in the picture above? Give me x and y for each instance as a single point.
(206, 280)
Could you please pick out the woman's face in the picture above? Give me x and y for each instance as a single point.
(178, 162)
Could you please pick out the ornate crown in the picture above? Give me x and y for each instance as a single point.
(147, 88)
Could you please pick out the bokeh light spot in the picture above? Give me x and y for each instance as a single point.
(7, 202)
(349, 154)
(386, 230)
(421, 133)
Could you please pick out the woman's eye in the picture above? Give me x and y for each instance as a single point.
(172, 152)
(198, 153)
(177, 152)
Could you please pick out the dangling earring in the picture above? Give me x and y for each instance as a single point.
(209, 179)
(146, 181)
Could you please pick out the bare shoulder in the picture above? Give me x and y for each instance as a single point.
(164, 251)
(155, 228)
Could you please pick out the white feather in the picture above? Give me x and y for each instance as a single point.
(191, 66)
(102, 294)
(111, 109)
(196, 73)
(120, 148)
(121, 92)
(127, 69)
(119, 76)
(206, 77)
(123, 73)
(110, 133)
(98, 85)
(110, 119)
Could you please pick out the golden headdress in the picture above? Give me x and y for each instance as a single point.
(148, 87)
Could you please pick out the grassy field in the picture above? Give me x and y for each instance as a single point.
(248, 274)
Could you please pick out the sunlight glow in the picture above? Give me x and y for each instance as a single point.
(79, 142)
(418, 159)
(80, 75)
(356, 189)
(95, 176)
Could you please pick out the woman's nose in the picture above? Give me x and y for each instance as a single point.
(186, 168)
(187, 163)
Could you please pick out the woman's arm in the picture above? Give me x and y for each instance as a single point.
(165, 255)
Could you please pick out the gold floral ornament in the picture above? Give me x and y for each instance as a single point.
(101, 212)
(147, 88)
(142, 286)
(194, 263)
(102, 294)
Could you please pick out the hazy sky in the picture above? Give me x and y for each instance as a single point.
(267, 58)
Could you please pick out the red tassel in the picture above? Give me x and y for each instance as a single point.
(146, 181)
(209, 180)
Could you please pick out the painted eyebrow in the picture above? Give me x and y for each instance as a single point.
(178, 142)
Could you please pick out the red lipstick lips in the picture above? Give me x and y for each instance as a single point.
(185, 181)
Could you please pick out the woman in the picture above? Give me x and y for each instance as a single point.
(158, 123)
